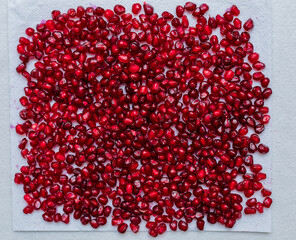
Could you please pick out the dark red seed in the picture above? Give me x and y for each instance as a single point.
(122, 228)
(183, 226)
(265, 192)
(249, 210)
(148, 9)
(248, 24)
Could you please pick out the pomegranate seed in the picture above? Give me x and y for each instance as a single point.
(248, 24)
(234, 10)
(183, 226)
(267, 202)
(122, 228)
(161, 228)
(148, 9)
(200, 224)
(265, 192)
(180, 11)
(190, 6)
(135, 228)
(19, 178)
(136, 8)
(142, 118)
(119, 9)
(249, 210)
(251, 202)
(259, 207)
(28, 209)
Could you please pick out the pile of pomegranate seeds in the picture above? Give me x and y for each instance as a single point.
(142, 118)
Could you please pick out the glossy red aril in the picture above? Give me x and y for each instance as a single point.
(122, 228)
(148, 9)
(249, 210)
(119, 9)
(267, 202)
(249, 24)
(142, 119)
(265, 192)
(136, 8)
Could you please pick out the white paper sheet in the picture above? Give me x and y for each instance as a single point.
(28, 13)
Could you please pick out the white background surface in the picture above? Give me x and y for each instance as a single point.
(23, 14)
(284, 132)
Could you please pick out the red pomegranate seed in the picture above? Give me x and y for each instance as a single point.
(234, 10)
(119, 9)
(249, 210)
(267, 202)
(183, 226)
(142, 118)
(161, 228)
(200, 224)
(136, 8)
(122, 228)
(180, 11)
(248, 24)
(190, 6)
(148, 9)
(135, 228)
(259, 207)
(265, 192)
(251, 202)
(28, 209)
(174, 225)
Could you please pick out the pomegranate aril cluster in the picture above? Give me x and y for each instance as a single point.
(143, 118)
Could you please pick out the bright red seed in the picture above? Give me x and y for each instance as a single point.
(136, 8)
(249, 210)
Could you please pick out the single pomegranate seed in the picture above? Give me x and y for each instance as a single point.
(234, 10)
(267, 202)
(148, 9)
(203, 8)
(190, 6)
(259, 207)
(119, 9)
(135, 228)
(200, 224)
(249, 210)
(251, 202)
(180, 11)
(265, 192)
(161, 228)
(183, 226)
(20, 129)
(19, 178)
(248, 24)
(136, 8)
(94, 223)
(29, 209)
(108, 13)
(263, 148)
(174, 225)
(237, 23)
(122, 228)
